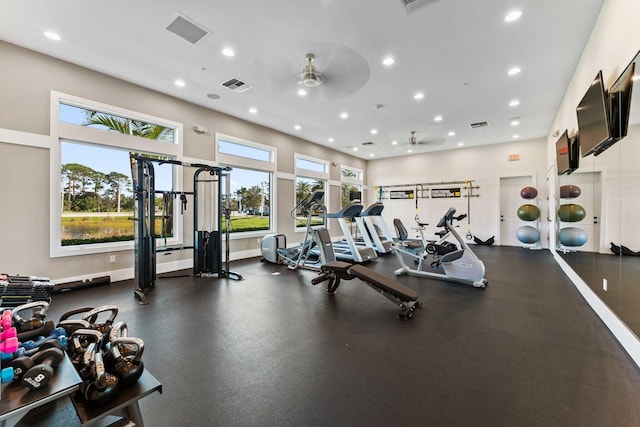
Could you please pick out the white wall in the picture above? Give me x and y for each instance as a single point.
(484, 165)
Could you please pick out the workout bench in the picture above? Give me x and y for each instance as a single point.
(396, 292)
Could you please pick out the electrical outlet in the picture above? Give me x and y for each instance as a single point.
(112, 259)
(604, 284)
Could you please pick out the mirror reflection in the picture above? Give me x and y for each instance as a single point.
(598, 233)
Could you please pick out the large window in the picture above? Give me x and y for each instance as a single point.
(251, 185)
(92, 210)
(350, 185)
(311, 174)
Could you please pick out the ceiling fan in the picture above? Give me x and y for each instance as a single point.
(310, 76)
(340, 71)
(430, 142)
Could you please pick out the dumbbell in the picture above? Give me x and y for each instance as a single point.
(42, 331)
(8, 333)
(6, 320)
(21, 352)
(58, 333)
(9, 345)
(38, 310)
(127, 368)
(44, 362)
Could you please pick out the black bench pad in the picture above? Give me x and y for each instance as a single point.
(385, 283)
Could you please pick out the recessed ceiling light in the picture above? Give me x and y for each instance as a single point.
(512, 16)
(451, 133)
(52, 36)
(344, 115)
(394, 142)
(515, 122)
(297, 127)
(371, 154)
(253, 110)
(330, 139)
(409, 150)
(374, 131)
(438, 118)
(355, 148)
(514, 103)
(513, 71)
(418, 95)
(302, 92)
(516, 136)
(460, 144)
(179, 83)
(388, 61)
(227, 51)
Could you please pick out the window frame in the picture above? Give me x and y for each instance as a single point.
(67, 132)
(357, 181)
(247, 163)
(300, 172)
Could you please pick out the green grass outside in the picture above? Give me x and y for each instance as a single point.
(80, 230)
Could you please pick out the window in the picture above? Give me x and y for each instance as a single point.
(311, 174)
(91, 175)
(251, 185)
(350, 185)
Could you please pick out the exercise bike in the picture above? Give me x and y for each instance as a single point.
(461, 265)
(427, 251)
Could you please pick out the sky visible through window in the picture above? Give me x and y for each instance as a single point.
(113, 160)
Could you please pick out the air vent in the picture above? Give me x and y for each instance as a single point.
(237, 85)
(367, 143)
(478, 125)
(413, 5)
(188, 29)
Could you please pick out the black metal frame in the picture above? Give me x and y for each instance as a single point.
(207, 246)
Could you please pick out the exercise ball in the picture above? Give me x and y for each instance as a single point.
(571, 212)
(569, 191)
(527, 234)
(528, 212)
(529, 193)
(572, 236)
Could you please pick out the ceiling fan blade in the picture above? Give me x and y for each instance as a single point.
(345, 71)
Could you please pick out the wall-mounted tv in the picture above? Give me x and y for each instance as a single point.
(593, 119)
(566, 153)
(620, 102)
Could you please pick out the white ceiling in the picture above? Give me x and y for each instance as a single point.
(456, 52)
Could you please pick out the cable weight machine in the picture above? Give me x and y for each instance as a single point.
(207, 247)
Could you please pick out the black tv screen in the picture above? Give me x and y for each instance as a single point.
(565, 154)
(593, 119)
(620, 102)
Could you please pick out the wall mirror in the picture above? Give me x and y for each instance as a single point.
(599, 216)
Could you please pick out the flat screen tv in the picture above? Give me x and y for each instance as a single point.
(593, 119)
(566, 154)
(620, 102)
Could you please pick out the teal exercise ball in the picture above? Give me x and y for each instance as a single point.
(527, 234)
(529, 193)
(569, 191)
(572, 236)
(528, 212)
(570, 212)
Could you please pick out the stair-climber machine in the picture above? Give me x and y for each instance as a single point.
(315, 249)
(461, 266)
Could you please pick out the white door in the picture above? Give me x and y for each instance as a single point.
(510, 201)
(589, 199)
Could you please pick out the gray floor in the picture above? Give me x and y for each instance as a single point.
(275, 350)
